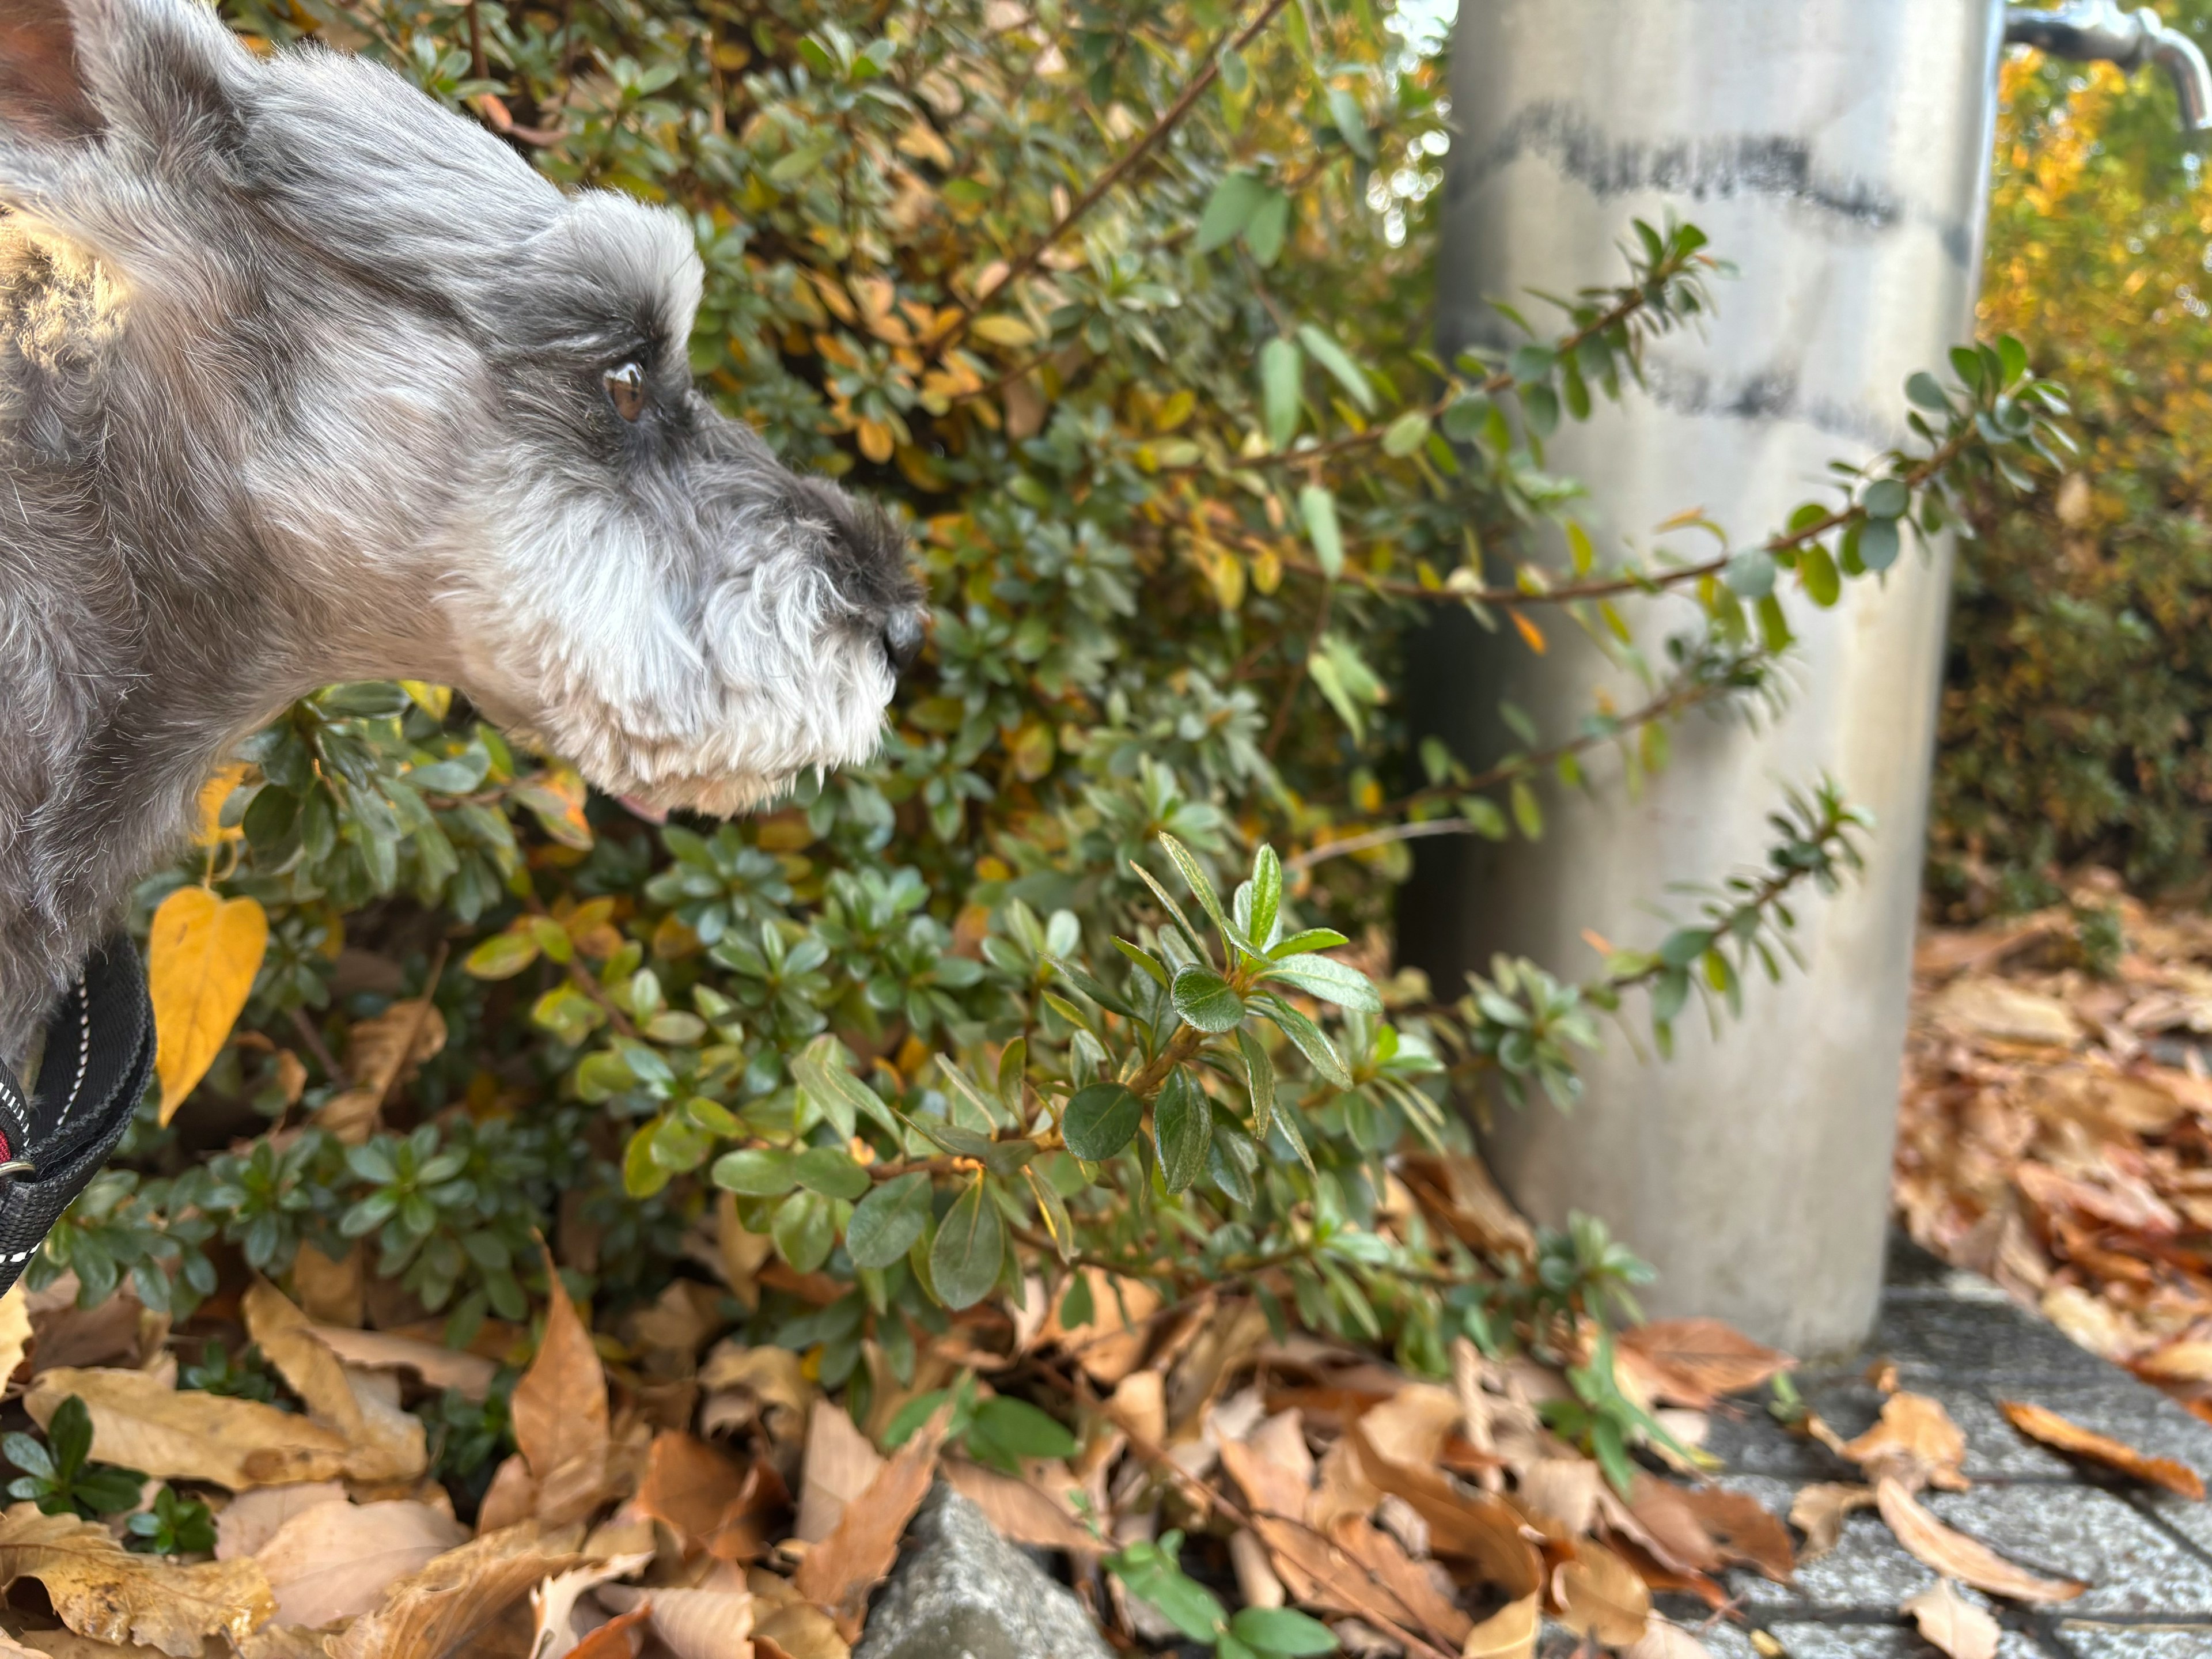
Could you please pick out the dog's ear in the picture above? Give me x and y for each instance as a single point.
(42, 93)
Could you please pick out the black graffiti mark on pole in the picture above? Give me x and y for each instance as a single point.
(1734, 164)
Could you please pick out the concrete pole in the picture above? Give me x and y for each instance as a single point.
(1836, 150)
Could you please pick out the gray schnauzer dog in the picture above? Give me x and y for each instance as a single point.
(304, 378)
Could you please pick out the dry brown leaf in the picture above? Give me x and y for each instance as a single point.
(383, 1051)
(14, 1329)
(1742, 1529)
(1915, 1443)
(841, 1569)
(553, 1601)
(252, 1519)
(1412, 1426)
(1111, 1344)
(1508, 1633)
(1669, 1527)
(1662, 1640)
(772, 1379)
(100, 1589)
(2187, 1361)
(616, 1639)
(11, 1649)
(1457, 1191)
(1957, 1556)
(562, 1430)
(139, 1421)
(1022, 1511)
(336, 1559)
(1600, 1596)
(439, 1367)
(1978, 1005)
(431, 1613)
(1692, 1362)
(787, 1623)
(709, 1499)
(1949, 1621)
(2037, 1423)
(1479, 1528)
(839, 1467)
(714, 1621)
(383, 1442)
(1562, 1490)
(1818, 1511)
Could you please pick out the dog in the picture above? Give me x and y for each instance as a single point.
(305, 378)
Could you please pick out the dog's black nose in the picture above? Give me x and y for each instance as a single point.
(902, 635)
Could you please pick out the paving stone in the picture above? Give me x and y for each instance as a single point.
(1868, 1570)
(2132, 1565)
(2102, 1641)
(2192, 1520)
(1989, 1343)
(1810, 1641)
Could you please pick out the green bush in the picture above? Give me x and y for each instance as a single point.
(2079, 695)
(1125, 311)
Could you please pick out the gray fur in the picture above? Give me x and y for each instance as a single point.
(302, 380)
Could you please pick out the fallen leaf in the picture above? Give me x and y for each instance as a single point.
(1412, 1426)
(1600, 1596)
(1743, 1530)
(612, 1640)
(100, 1589)
(1818, 1511)
(839, 1467)
(1021, 1512)
(708, 1498)
(1957, 1556)
(1458, 1192)
(1980, 1005)
(559, 1410)
(1915, 1443)
(433, 1612)
(711, 1622)
(201, 954)
(11, 1649)
(553, 1602)
(2188, 1361)
(383, 1442)
(1662, 1640)
(772, 1379)
(14, 1330)
(839, 1570)
(139, 1421)
(1949, 1621)
(1479, 1528)
(439, 1367)
(383, 1050)
(335, 1561)
(1669, 1527)
(2037, 1423)
(1508, 1633)
(1110, 1344)
(786, 1622)
(1694, 1362)
(252, 1518)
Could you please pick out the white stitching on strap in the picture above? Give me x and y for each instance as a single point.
(83, 1050)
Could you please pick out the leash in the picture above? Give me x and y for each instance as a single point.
(98, 1059)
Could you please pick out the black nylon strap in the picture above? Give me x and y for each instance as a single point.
(98, 1059)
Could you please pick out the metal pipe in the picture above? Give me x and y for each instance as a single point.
(2098, 31)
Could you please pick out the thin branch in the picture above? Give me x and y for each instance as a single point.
(581, 978)
(949, 332)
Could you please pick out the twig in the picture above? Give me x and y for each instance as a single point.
(320, 1049)
(950, 331)
(581, 978)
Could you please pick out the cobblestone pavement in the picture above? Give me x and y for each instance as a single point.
(2146, 1556)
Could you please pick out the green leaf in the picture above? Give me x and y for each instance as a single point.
(1260, 1079)
(1317, 511)
(1022, 1429)
(1077, 1308)
(1925, 390)
(1816, 569)
(1877, 543)
(500, 957)
(1206, 1001)
(1266, 893)
(831, 1171)
(803, 1231)
(1183, 1129)
(1194, 875)
(1331, 981)
(1269, 228)
(757, 1171)
(963, 1262)
(1100, 1121)
(885, 1222)
(1054, 1209)
(1307, 1038)
(1540, 407)
(1094, 988)
(791, 168)
(819, 1069)
(1333, 357)
(1282, 366)
(1174, 910)
(1406, 433)
(1886, 498)
(1282, 1631)
(1227, 211)
(999, 1157)
(1344, 110)
(1309, 940)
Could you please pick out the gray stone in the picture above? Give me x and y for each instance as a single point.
(1990, 1343)
(2100, 1640)
(1807, 1641)
(961, 1592)
(2132, 1564)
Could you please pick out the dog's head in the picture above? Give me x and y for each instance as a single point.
(451, 403)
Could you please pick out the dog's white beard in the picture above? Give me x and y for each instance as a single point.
(710, 693)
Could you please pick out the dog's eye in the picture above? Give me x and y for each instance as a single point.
(626, 387)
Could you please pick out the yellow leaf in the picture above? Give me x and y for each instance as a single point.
(1529, 631)
(875, 440)
(921, 141)
(201, 960)
(432, 700)
(217, 792)
(99, 1590)
(1004, 330)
